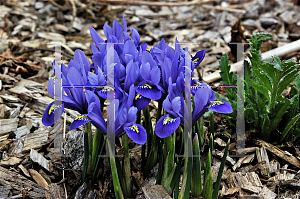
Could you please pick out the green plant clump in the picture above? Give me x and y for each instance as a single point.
(266, 110)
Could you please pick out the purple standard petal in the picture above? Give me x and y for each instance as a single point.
(166, 125)
(145, 71)
(77, 93)
(167, 104)
(176, 104)
(107, 30)
(137, 133)
(155, 75)
(135, 36)
(148, 91)
(93, 78)
(131, 117)
(79, 121)
(220, 107)
(74, 64)
(52, 113)
(201, 100)
(147, 57)
(80, 57)
(118, 30)
(74, 77)
(132, 75)
(94, 48)
(131, 96)
(122, 116)
(129, 51)
(126, 37)
(162, 44)
(96, 38)
(50, 88)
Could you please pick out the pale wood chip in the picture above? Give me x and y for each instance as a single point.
(38, 178)
(155, 191)
(8, 125)
(38, 158)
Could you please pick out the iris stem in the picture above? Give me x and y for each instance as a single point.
(196, 186)
(86, 153)
(138, 119)
(159, 110)
(126, 165)
(97, 141)
(114, 172)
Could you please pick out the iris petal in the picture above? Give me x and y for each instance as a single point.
(96, 38)
(155, 75)
(79, 121)
(140, 102)
(176, 104)
(137, 133)
(145, 71)
(131, 117)
(166, 125)
(107, 30)
(52, 113)
(201, 100)
(220, 107)
(118, 30)
(135, 36)
(148, 91)
(197, 59)
(50, 88)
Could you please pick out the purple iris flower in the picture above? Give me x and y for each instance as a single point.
(75, 98)
(174, 104)
(126, 118)
(93, 115)
(172, 62)
(144, 73)
(150, 78)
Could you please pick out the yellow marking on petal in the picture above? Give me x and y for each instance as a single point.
(135, 128)
(198, 84)
(216, 102)
(147, 85)
(165, 122)
(81, 116)
(93, 71)
(103, 87)
(107, 87)
(137, 96)
(148, 50)
(195, 60)
(51, 108)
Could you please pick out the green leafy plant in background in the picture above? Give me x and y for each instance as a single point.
(228, 79)
(265, 108)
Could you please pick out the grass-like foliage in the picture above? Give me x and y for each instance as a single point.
(266, 109)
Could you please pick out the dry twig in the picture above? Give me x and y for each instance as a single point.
(151, 3)
(280, 51)
(219, 8)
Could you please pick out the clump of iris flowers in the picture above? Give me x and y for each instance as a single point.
(140, 75)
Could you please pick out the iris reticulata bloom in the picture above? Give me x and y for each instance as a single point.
(140, 75)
